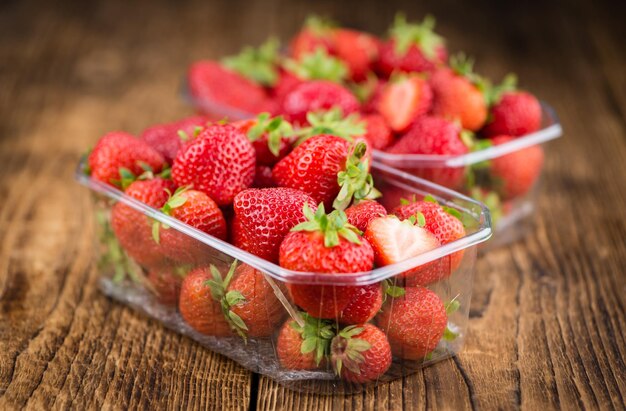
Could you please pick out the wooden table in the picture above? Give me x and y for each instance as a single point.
(547, 317)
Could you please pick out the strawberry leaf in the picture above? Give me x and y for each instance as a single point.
(317, 65)
(421, 35)
(257, 64)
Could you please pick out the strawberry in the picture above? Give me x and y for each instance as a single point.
(414, 322)
(395, 241)
(370, 93)
(133, 228)
(403, 100)
(315, 33)
(263, 177)
(213, 85)
(360, 214)
(166, 281)
(364, 306)
(378, 134)
(263, 217)
(434, 135)
(270, 137)
(443, 222)
(168, 138)
(259, 309)
(306, 346)
(286, 82)
(196, 209)
(317, 95)
(219, 162)
(517, 172)
(197, 306)
(117, 152)
(325, 244)
(360, 353)
(259, 65)
(458, 94)
(411, 47)
(358, 49)
(326, 167)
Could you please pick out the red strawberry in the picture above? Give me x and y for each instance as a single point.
(318, 166)
(378, 133)
(315, 33)
(196, 209)
(516, 173)
(119, 150)
(263, 177)
(371, 92)
(133, 229)
(287, 81)
(517, 113)
(314, 96)
(167, 281)
(443, 222)
(358, 49)
(404, 100)
(414, 322)
(263, 217)
(360, 353)
(325, 244)
(258, 308)
(214, 86)
(219, 162)
(360, 214)
(270, 137)
(412, 47)
(395, 241)
(364, 306)
(304, 347)
(434, 135)
(458, 96)
(197, 306)
(166, 138)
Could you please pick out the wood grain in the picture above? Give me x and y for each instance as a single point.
(548, 314)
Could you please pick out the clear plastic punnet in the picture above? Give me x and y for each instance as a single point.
(260, 327)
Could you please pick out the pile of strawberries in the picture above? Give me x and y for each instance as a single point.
(295, 194)
(404, 91)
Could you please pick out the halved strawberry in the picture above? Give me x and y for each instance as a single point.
(403, 100)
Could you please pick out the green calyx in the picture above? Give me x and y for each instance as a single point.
(175, 200)
(452, 306)
(257, 64)
(316, 336)
(422, 35)
(418, 219)
(276, 129)
(184, 136)
(494, 93)
(364, 90)
(317, 65)
(113, 255)
(347, 351)
(127, 177)
(390, 289)
(228, 299)
(332, 226)
(355, 180)
(334, 123)
(491, 199)
(320, 26)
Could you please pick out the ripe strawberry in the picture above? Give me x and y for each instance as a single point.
(263, 177)
(360, 214)
(395, 241)
(378, 134)
(320, 166)
(414, 322)
(263, 217)
(117, 151)
(412, 47)
(166, 138)
(314, 96)
(287, 81)
(270, 137)
(517, 172)
(133, 229)
(360, 353)
(197, 306)
(434, 135)
(442, 221)
(358, 49)
(219, 162)
(196, 209)
(370, 93)
(259, 309)
(517, 113)
(459, 94)
(315, 33)
(211, 84)
(325, 244)
(304, 347)
(167, 281)
(364, 306)
(404, 100)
